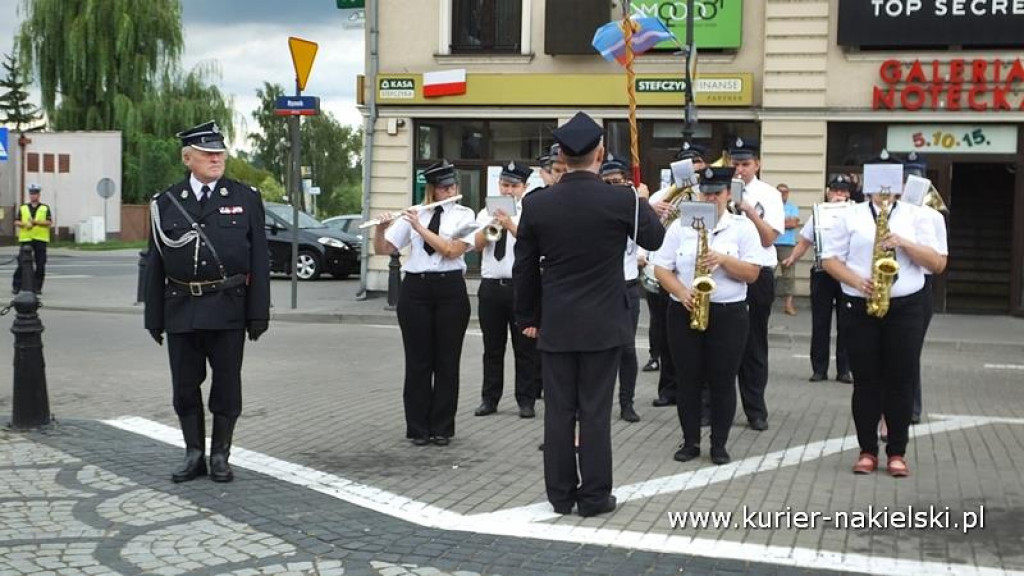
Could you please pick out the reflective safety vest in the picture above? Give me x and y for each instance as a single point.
(35, 232)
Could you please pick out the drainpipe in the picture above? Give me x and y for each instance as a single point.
(371, 122)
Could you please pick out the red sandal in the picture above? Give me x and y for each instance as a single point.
(897, 467)
(866, 463)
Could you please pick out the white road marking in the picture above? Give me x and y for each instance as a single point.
(67, 276)
(801, 355)
(525, 526)
(1004, 366)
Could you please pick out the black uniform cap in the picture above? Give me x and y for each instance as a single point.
(840, 182)
(440, 173)
(612, 165)
(579, 135)
(713, 179)
(516, 172)
(206, 137)
(744, 149)
(915, 165)
(690, 151)
(885, 157)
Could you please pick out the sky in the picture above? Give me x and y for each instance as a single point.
(249, 41)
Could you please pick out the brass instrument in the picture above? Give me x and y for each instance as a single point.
(884, 266)
(492, 232)
(934, 201)
(703, 284)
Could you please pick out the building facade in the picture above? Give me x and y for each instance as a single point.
(824, 84)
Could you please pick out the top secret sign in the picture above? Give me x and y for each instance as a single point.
(924, 23)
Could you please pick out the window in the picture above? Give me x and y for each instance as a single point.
(64, 163)
(48, 163)
(33, 162)
(486, 26)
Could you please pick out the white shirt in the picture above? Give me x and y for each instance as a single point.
(852, 240)
(767, 201)
(455, 217)
(197, 186)
(489, 266)
(733, 235)
(629, 265)
(938, 222)
(807, 232)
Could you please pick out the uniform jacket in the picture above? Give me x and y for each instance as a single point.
(579, 226)
(233, 220)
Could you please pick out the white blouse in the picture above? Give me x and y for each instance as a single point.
(733, 236)
(490, 267)
(454, 218)
(767, 201)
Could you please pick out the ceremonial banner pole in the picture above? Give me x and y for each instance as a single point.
(634, 140)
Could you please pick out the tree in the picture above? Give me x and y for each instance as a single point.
(268, 151)
(14, 105)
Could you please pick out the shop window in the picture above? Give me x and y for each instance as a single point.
(486, 26)
(482, 141)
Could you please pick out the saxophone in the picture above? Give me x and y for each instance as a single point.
(884, 266)
(703, 285)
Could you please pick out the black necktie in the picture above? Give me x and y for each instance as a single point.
(204, 195)
(499, 247)
(434, 226)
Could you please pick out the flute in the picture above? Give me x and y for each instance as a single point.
(369, 223)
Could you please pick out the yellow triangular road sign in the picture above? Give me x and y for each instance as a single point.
(303, 53)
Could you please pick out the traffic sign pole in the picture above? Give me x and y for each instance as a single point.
(303, 54)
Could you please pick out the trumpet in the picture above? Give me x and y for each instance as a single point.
(418, 207)
(492, 232)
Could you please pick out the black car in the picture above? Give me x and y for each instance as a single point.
(321, 249)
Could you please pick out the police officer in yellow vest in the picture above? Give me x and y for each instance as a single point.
(34, 222)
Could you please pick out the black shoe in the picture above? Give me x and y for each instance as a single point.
(193, 429)
(817, 377)
(660, 402)
(420, 441)
(442, 440)
(195, 466)
(759, 424)
(686, 453)
(220, 471)
(563, 508)
(705, 419)
(652, 365)
(719, 456)
(527, 411)
(628, 413)
(14, 291)
(608, 506)
(845, 378)
(485, 409)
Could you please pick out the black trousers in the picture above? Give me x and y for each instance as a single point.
(433, 312)
(708, 360)
(753, 374)
(658, 306)
(39, 253)
(496, 321)
(656, 328)
(628, 365)
(578, 385)
(918, 408)
(826, 296)
(189, 354)
(885, 354)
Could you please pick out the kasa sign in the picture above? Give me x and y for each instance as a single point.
(931, 23)
(979, 85)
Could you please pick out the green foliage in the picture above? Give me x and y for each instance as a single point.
(14, 105)
(268, 151)
(240, 170)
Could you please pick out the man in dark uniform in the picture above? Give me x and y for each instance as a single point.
(208, 283)
(579, 310)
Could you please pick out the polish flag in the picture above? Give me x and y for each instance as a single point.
(444, 83)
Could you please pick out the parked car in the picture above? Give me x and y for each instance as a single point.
(346, 223)
(321, 249)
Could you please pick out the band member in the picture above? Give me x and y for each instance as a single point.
(495, 302)
(762, 205)
(826, 294)
(551, 166)
(614, 172)
(710, 357)
(884, 333)
(578, 310)
(208, 283)
(433, 306)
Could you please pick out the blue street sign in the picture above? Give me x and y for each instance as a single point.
(3, 145)
(297, 106)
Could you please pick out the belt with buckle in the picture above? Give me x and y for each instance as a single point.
(498, 281)
(198, 288)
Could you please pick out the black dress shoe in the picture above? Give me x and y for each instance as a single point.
(442, 440)
(817, 377)
(759, 424)
(195, 466)
(660, 402)
(220, 471)
(845, 378)
(719, 456)
(485, 409)
(420, 441)
(686, 453)
(563, 508)
(629, 414)
(527, 412)
(652, 365)
(608, 506)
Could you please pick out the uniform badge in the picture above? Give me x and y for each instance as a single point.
(232, 210)
(184, 194)
(511, 166)
(760, 210)
(739, 142)
(223, 191)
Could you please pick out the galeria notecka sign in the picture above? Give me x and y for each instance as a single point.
(979, 85)
(931, 23)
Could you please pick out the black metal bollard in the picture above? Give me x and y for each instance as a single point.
(31, 403)
(140, 290)
(394, 280)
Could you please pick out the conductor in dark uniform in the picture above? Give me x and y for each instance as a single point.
(208, 284)
(579, 310)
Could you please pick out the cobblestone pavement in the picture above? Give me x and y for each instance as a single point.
(83, 498)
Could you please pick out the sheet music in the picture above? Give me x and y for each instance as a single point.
(699, 213)
(507, 204)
